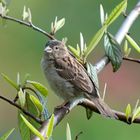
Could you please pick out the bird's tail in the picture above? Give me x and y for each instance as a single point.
(103, 108)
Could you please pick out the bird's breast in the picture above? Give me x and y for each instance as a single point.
(59, 85)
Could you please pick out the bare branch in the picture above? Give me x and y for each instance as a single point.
(132, 59)
(24, 111)
(28, 24)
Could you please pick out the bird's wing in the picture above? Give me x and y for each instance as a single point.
(70, 69)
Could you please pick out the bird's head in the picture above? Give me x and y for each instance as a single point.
(55, 49)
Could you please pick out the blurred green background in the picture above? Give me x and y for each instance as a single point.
(21, 50)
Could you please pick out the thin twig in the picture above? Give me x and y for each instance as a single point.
(31, 25)
(24, 111)
(132, 59)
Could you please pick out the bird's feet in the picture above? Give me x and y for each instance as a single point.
(63, 106)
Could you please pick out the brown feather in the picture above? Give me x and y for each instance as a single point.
(74, 72)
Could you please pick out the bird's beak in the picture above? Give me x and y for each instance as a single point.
(48, 49)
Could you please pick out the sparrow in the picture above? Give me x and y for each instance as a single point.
(68, 78)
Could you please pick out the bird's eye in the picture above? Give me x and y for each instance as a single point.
(56, 48)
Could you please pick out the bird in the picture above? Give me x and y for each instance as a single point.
(68, 78)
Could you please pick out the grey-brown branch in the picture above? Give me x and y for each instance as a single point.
(60, 113)
(27, 24)
(23, 110)
(132, 59)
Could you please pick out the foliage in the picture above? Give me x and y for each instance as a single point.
(112, 48)
(32, 128)
(42, 89)
(68, 132)
(31, 95)
(133, 43)
(113, 51)
(32, 103)
(7, 134)
(50, 127)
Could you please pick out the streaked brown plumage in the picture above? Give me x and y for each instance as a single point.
(68, 78)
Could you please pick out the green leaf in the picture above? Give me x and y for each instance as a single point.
(43, 101)
(136, 114)
(7, 134)
(75, 52)
(59, 24)
(26, 15)
(95, 40)
(50, 127)
(24, 130)
(127, 50)
(125, 46)
(3, 9)
(42, 89)
(32, 109)
(81, 42)
(94, 77)
(128, 111)
(89, 113)
(3, 2)
(102, 14)
(113, 51)
(37, 104)
(133, 43)
(26, 77)
(18, 79)
(68, 132)
(78, 49)
(30, 16)
(32, 128)
(83, 46)
(116, 12)
(10, 81)
(22, 99)
(93, 74)
(64, 40)
(136, 105)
